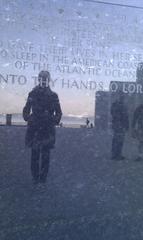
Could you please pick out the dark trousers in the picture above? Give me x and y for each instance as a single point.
(40, 171)
(117, 143)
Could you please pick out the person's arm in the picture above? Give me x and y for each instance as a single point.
(125, 118)
(57, 110)
(135, 117)
(27, 108)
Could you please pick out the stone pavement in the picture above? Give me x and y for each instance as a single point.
(87, 196)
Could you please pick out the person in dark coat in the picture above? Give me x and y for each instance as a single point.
(42, 113)
(137, 129)
(120, 125)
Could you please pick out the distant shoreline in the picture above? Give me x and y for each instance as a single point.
(66, 121)
(24, 124)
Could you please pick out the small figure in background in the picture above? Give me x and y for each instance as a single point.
(120, 125)
(61, 124)
(137, 130)
(42, 113)
(91, 125)
(87, 122)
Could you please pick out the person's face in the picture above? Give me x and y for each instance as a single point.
(43, 81)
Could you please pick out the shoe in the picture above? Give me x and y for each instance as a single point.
(119, 158)
(113, 158)
(42, 180)
(138, 159)
(35, 181)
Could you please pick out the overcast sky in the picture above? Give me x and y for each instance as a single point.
(54, 24)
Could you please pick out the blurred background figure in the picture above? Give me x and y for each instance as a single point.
(42, 113)
(87, 122)
(120, 125)
(137, 129)
(91, 125)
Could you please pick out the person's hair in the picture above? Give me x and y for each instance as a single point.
(44, 75)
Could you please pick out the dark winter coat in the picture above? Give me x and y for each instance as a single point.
(137, 123)
(42, 113)
(120, 119)
(138, 117)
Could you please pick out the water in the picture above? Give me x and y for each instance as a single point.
(66, 120)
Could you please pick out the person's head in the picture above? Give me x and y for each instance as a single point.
(44, 78)
(121, 97)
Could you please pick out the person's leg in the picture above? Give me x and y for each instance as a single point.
(35, 155)
(121, 138)
(140, 150)
(114, 145)
(45, 152)
(117, 144)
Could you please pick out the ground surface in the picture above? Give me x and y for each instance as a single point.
(88, 196)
